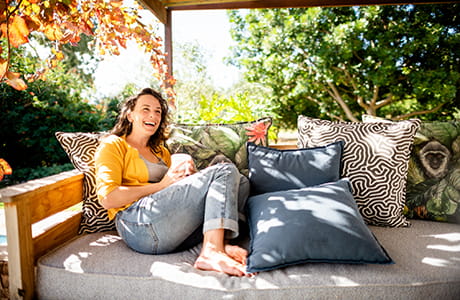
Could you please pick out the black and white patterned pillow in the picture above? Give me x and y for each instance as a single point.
(375, 159)
(80, 147)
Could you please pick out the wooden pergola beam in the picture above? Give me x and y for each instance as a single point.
(157, 8)
(244, 4)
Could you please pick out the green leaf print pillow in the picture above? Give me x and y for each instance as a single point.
(433, 182)
(433, 178)
(204, 142)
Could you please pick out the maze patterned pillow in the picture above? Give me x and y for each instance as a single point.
(80, 147)
(204, 142)
(375, 159)
(433, 179)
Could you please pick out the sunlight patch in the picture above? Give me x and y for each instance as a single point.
(451, 237)
(437, 262)
(264, 226)
(73, 264)
(343, 281)
(448, 248)
(106, 240)
(185, 274)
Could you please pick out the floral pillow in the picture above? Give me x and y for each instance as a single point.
(204, 142)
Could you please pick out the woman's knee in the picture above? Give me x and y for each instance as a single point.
(228, 167)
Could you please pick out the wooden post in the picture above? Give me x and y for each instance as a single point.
(20, 250)
(168, 42)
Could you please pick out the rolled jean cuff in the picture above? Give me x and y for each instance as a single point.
(231, 227)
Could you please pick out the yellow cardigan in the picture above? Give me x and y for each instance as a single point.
(117, 164)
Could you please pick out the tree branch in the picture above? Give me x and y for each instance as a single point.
(417, 113)
(348, 76)
(336, 95)
(384, 102)
(375, 95)
(327, 112)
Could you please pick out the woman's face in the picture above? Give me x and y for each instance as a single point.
(146, 116)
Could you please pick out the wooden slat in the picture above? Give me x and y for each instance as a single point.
(56, 235)
(47, 196)
(45, 204)
(23, 191)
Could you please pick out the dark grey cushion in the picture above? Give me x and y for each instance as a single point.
(273, 170)
(314, 224)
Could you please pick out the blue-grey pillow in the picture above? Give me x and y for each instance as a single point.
(314, 224)
(272, 170)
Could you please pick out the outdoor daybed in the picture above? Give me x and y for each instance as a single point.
(423, 256)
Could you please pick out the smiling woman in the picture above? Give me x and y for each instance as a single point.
(158, 206)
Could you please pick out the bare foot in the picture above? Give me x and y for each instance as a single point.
(220, 262)
(237, 253)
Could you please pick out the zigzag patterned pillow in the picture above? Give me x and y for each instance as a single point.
(80, 147)
(375, 159)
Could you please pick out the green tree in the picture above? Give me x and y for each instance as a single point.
(31, 117)
(339, 63)
(193, 81)
(199, 101)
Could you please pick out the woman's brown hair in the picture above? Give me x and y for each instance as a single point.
(124, 126)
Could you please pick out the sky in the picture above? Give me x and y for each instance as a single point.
(209, 28)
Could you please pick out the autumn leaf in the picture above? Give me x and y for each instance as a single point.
(3, 67)
(32, 23)
(63, 21)
(53, 32)
(116, 3)
(2, 7)
(5, 168)
(15, 81)
(18, 31)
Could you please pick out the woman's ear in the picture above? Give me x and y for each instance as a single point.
(129, 117)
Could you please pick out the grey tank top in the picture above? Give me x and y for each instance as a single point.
(156, 170)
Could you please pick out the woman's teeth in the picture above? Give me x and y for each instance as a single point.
(151, 123)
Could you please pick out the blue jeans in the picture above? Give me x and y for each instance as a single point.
(160, 222)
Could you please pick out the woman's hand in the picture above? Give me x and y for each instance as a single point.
(182, 164)
(180, 168)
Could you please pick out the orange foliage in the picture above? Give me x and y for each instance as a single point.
(63, 21)
(5, 168)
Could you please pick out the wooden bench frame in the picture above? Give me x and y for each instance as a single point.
(29, 235)
(38, 220)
